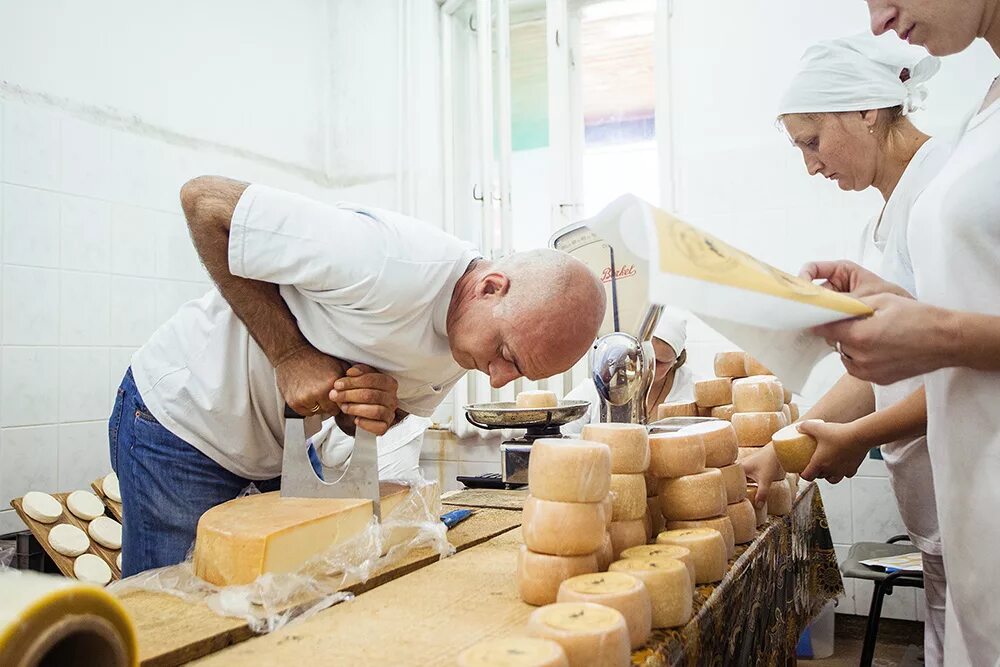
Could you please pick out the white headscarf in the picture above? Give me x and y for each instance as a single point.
(858, 73)
(672, 330)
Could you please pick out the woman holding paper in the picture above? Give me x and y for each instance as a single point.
(847, 111)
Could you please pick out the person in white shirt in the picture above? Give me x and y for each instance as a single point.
(672, 380)
(847, 110)
(951, 336)
(349, 311)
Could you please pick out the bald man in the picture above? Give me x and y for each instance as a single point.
(345, 310)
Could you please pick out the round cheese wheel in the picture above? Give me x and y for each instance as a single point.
(514, 652)
(647, 522)
(669, 584)
(779, 498)
(719, 523)
(754, 429)
(625, 534)
(92, 569)
(628, 443)
(719, 439)
(707, 547)
(106, 531)
(111, 487)
(662, 551)
(562, 529)
(41, 506)
(758, 393)
(744, 521)
(794, 449)
(605, 554)
(697, 496)
(539, 575)
(723, 412)
(677, 409)
(735, 481)
(569, 470)
(85, 505)
(730, 364)
(788, 395)
(538, 398)
(676, 454)
(710, 393)
(118, 561)
(68, 540)
(619, 591)
(628, 493)
(590, 634)
(607, 509)
(754, 367)
(793, 410)
(655, 516)
(705, 412)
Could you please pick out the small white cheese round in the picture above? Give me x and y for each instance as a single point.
(41, 506)
(118, 561)
(68, 540)
(111, 488)
(92, 570)
(85, 505)
(106, 531)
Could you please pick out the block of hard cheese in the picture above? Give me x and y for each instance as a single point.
(590, 634)
(628, 444)
(758, 393)
(754, 429)
(244, 538)
(744, 521)
(629, 497)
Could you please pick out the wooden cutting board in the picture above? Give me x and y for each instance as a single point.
(113, 506)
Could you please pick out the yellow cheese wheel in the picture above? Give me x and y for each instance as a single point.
(707, 547)
(569, 470)
(562, 529)
(590, 634)
(669, 584)
(794, 449)
(536, 399)
(705, 412)
(710, 393)
(788, 395)
(744, 521)
(628, 493)
(793, 411)
(655, 516)
(779, 498)
(754, 429)
(628, 443)
(607, 509)
(758, 393)
(730, 364)
(719, 439)
(625, 534)
(676, 454)
(760, 513)
(723, 412)
(677, 409)
(619, 591)
(605, 554)
(719, 523)
(735, 481)
(539, 575)
(514, 652)
(697, 496)
(662, 551)
(754, 367)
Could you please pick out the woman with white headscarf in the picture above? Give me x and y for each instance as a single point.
(672, 380)
(847, 111)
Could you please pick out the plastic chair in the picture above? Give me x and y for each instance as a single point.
(884, 582)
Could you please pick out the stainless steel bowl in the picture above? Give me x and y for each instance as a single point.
(506, 414)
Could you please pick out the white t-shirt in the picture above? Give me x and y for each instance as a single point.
(365, 285)
(884, 250)
(955, 243)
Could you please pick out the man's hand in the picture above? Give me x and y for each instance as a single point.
(305, 379)
(848, 277)
(839, 451)
(763, 467)
(367, 399)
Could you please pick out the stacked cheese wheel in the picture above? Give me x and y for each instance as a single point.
(566, 518)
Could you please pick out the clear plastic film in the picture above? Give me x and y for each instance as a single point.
(275, 599)
(7, 552)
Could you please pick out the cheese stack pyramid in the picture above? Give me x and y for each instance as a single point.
(629, 446)
(566, 517)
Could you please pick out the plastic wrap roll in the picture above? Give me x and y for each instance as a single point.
(47, 619)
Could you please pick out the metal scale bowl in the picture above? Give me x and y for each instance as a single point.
(537, 422)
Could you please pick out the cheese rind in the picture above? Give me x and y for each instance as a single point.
(669, 584)
(514, 652)
(754, 429)
(707, 547)
(605, 554)
(656, 519)
(697, 496)
(628, 443)
(793, 411)
(744, 453)
(794, 449)
(730, 364)
(628, 493)
(753, 367)
(562, 529)
(41, 506)
(779, 498)
(676, 454)
(617, 590)
(719, 523)
(590, 634)
(625, 534)
(676, 409)
(788, 395)
(758, 393)
(537, 398)
(662, 551)
(744, 521)
(714, 392)
(538, 575)
(569, 470)
(735, 481)
(607, 509)
(723, 412)
(719, 440)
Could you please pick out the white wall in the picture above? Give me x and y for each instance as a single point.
(740, 179)
(105, 110)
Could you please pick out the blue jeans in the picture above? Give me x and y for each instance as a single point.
(166, 484)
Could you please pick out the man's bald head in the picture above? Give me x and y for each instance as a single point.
(532, 314)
